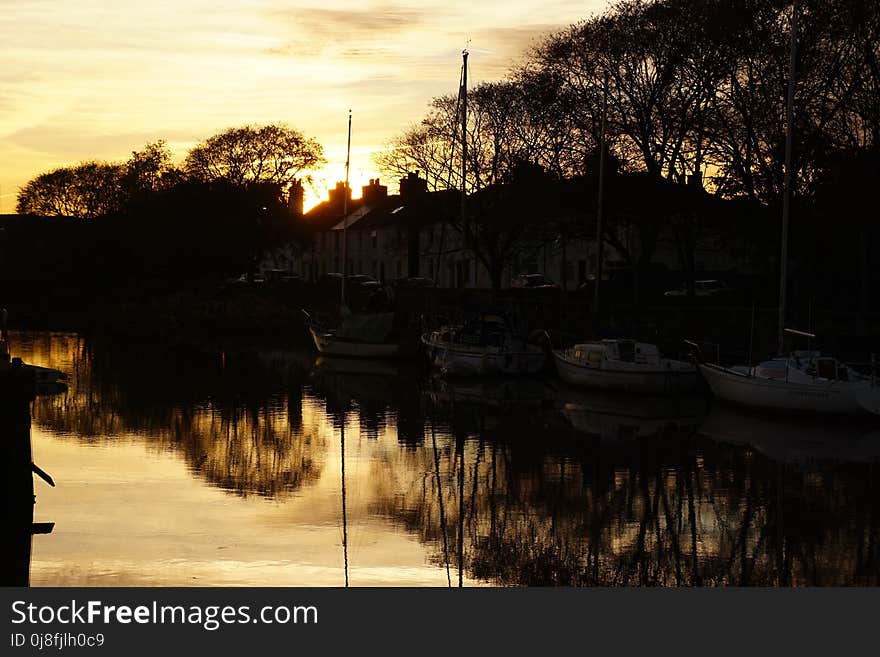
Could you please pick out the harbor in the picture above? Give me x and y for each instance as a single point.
(396, 296)
(241, 465)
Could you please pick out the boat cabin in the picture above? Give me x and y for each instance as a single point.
(593, 354)
(802, 365)
(488, 330)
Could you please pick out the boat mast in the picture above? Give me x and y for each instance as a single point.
(786, 197)
(345, 212)
(599, 208)
(464, 148)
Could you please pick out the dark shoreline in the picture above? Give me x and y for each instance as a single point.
(273, 315)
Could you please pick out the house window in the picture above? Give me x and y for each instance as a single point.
(336, 236)
(375, 239)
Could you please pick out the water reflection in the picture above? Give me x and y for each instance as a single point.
(794, 440)
(508, 482)
(236, 417)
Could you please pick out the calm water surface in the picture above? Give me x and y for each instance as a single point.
(224, 466)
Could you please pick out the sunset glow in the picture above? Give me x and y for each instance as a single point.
(96, 80)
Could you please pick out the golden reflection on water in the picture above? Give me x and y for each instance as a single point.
(201, 496)
(223, 467)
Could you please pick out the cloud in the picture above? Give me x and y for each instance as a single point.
(357, 23)
(354, 31)
(57, 139)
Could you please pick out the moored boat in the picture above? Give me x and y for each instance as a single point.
(624, 365)
(361, 336)
(483, 346)
(806, 382)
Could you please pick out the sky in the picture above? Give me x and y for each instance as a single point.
(98, 79)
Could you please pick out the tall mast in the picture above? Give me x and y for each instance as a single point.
(464, 148)
(345, 211)
(786, 197)
(599, 208)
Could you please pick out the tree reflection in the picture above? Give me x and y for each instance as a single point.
(512, 483)
(235, 415)
(667, 509)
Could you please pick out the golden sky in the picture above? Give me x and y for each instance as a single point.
(96, 79)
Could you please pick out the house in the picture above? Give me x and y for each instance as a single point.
(536, 226)
(417, 233)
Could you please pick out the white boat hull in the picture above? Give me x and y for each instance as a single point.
(329, 345)
(823, 396)
(456, 360)
(641, 379)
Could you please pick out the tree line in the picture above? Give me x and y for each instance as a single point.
(272, 154)
(146, 227)
(687, 88)
(686, 91)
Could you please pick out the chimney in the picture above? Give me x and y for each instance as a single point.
(374, 191)
(337, 195)
(412, 186)
(296, 197)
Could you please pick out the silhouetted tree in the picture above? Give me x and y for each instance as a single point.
(87, 190)
(149, 170)
(495, 131)
(272, 153)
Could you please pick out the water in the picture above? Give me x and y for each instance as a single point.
(222, 465)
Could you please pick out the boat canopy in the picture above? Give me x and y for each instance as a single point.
(806, 367)
(628, 351)
(366, 327)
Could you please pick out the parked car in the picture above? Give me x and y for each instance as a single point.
(282, 277)
(362, 281)
(413, 282)
(711, 287)
(533, 282)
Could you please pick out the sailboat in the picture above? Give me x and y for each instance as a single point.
(359, 335)
(625, 366)
(487, 344)
(803, 381)
(619, 365)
